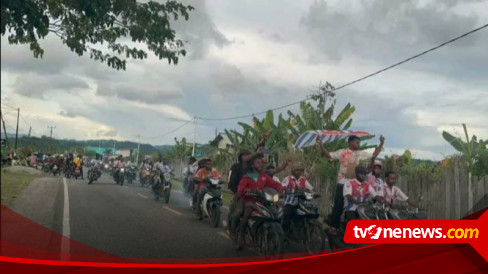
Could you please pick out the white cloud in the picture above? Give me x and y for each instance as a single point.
(246, 58)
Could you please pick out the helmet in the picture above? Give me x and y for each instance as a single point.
(377, 163)
(297, 166)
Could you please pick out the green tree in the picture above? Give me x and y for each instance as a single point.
(475, 155)
(180, 150)
(83, 25)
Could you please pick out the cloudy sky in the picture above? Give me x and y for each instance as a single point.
(246, 56)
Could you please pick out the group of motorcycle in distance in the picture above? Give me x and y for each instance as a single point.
(264, 232)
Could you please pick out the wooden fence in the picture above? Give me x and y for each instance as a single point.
(443, 195)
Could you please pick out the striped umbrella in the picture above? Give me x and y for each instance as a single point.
(308, 138)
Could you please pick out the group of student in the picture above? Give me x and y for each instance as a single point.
(353, 187)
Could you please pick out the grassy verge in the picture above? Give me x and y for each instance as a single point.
(13, 184)
(178, 185)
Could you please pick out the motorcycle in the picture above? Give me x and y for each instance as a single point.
(399, 212)
(211, 202)
(68, 172)
(145, 177)
(93, 174)
(162, 189)
(366, 211)
(131, 174)
(304, 224)
(119, 176)
(45, 168)
(264, 232)
(55, 170)
(77, 172)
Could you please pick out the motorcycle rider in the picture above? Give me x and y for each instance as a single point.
(78, 163)
(392, 193)
(95, 168)
(188, 172)
(375, 182)
(204, 173)
(355, 192)
(256, 179)
(291, 183)
(118, 164)
(68, 167)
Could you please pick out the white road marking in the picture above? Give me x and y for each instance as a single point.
(65, 244)
(172, 210)
(143, 196)
(223, 234)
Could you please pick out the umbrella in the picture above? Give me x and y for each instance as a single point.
(308, 138)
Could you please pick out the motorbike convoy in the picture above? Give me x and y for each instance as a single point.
(261, 224)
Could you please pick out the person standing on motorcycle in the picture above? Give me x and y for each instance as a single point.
(355, 192)
(349, 159)
(256, 179)
(204, 173)
(290, 184)
(392, 193)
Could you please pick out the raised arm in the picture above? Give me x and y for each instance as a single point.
(281, 168)
(379, 148)
(322, 148)
(249, 157)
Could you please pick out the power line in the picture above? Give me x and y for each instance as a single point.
(352, 82)
(9, 106)
(170, 132)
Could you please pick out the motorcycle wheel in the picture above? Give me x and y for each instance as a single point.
(215, 215)
(273, 242)
(167, 193)
(314, 239)
(90, 181)
(122, 181)
(335, 241)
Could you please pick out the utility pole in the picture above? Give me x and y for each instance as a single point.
(17, 129)
(30, 129)
(51, 127)
(4, 129)
(138, 146)
(194, 136)
(113, 152)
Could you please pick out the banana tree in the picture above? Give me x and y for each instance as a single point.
(474, 153)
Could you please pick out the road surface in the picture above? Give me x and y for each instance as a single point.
(125, 221)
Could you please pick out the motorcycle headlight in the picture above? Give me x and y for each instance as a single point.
(121, 170)
(308, 195)
(276, 198)
(106, 166)
(268, 197)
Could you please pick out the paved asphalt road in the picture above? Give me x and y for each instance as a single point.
(125, 221)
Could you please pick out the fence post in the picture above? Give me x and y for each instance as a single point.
(447, 181)
(457, 193)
